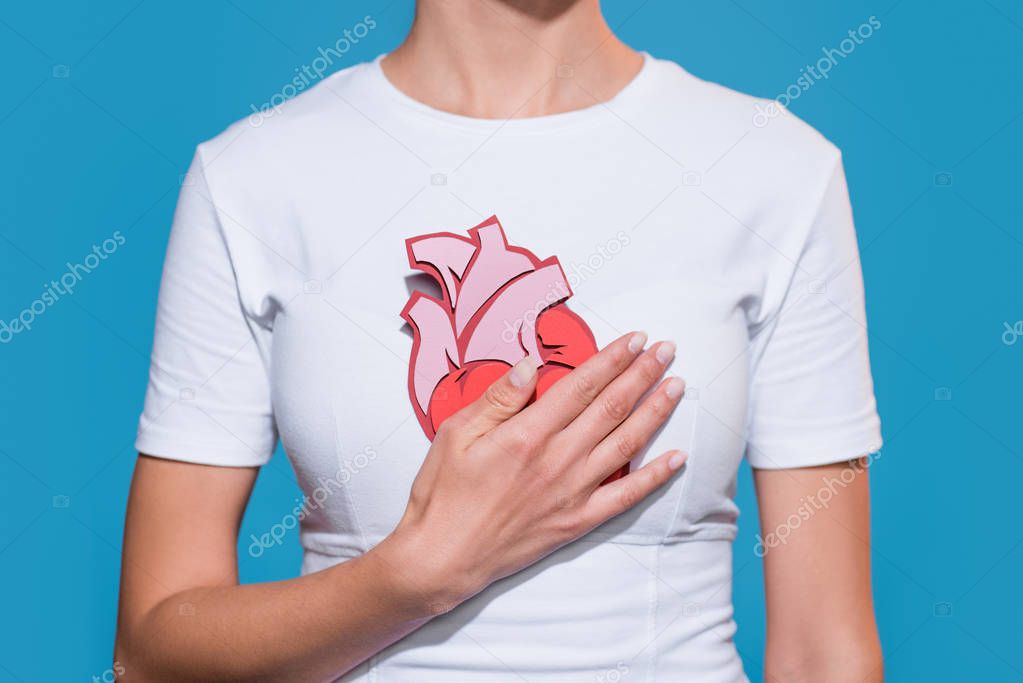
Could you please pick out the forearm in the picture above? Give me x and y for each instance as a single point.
(311, 628)
(856, 659)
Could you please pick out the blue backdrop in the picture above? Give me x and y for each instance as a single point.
(104, 102)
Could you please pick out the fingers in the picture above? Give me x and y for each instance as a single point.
(502, 399)
(618, 496)
(568, 397)
(622, 445)
(616, 402)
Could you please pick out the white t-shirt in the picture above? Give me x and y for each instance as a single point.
(677, 207)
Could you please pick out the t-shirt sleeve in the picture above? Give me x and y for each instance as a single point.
(208, 399)
(812, 395)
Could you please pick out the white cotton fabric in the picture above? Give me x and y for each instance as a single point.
(672, 208)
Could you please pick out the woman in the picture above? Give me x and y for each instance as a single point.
(454, 528)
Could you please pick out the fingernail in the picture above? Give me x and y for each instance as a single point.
(676, 461)
(523, 372)
(674, 388)
(665, 352)
(637, 341)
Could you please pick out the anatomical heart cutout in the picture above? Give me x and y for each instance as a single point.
(499, 304)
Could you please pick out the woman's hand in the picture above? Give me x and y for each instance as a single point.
(504, 484)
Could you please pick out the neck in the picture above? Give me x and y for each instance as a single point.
(511, 58)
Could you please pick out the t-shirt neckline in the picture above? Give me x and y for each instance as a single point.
(600, 111)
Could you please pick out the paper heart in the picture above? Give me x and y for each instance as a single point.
(498, 305)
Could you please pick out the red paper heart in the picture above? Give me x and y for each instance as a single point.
(462, 386)
(499, 303)
(565, 339)
(565, 342)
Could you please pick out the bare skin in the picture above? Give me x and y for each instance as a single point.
(183, 615)
(496, 59)
(502, 486)
(820, 609)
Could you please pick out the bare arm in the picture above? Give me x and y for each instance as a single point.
(184, 616)
(501, 487)
(815, 526)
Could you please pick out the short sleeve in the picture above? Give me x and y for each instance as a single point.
(812, 395)
(208, 399)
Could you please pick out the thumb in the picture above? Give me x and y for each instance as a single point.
(502, 399)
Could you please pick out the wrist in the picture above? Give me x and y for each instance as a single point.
(420, 578)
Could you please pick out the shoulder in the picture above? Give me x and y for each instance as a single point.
(282, 132)
(749, 162)
(713, 125)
